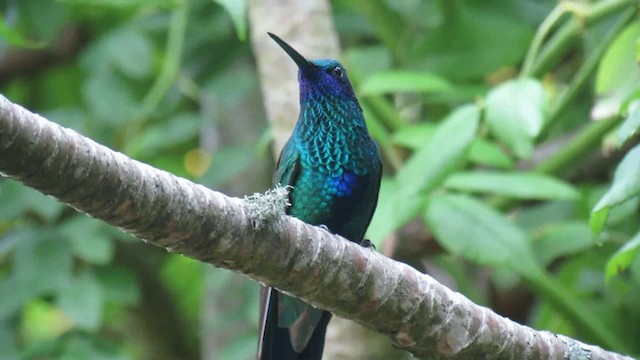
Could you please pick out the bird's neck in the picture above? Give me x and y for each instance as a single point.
(332, 137)
(326, 116)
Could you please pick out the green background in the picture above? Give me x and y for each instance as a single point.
(509, 136)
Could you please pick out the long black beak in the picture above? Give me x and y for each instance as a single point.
(303, 64)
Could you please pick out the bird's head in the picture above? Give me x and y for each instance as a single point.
(323, 77)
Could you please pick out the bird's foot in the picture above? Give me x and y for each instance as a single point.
(366, 243)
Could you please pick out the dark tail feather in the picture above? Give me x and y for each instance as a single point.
(275, 343)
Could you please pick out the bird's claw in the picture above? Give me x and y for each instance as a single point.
(366, 243)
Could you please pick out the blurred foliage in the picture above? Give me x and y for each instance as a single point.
(510, 130)
(147, 79)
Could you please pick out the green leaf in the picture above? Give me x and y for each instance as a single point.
(82, 301)
(618, 74)
(17, 199)
(8, 349)
(442, 153)
(94, 248)
(618, 65)
(389, 26)
(464, 46)
(623, 257)
(185, 278)
(88, 239)
(626, 185)
(384, 221)
(63, 84)
(635, 270)
(227, 163)
(74, 118)
(533, 217)
(408, 208)
(119, 285)
(43, 19)
(598, 220)
(124, 51)
(130, 51)
(563, 239)
(15, 38)
(90, 346)
(440, 156)
(624, 215)
(515, 113)
(629, 127)
(520, 185)
(102, 90)
(469, 228)
(159, 137)
(15, 293)
(43, 262)
(481, 151)
(404, 81)
(237, 9)
(487, 153)
(414, 136)
(42, 321)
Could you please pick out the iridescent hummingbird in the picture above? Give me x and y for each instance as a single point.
(334, 168)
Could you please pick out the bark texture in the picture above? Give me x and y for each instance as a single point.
(254, 237)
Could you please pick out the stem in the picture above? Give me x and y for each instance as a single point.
(449, 9)
(584, 142)
(540, 35)
(387, 114)
(605, 8)
(561, 41)
(387, 23)
(587, 140)
(574, 311)
(555, 48)
(588, 67)
(168, 73)
(385, 111)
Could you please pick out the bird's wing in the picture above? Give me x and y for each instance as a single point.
(299, 317)
(377, 178)
(288, 167)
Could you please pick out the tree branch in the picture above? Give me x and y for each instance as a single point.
(254, 237)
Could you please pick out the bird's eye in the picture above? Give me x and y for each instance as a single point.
(337, 72)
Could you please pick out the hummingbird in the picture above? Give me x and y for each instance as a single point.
(333, 167)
